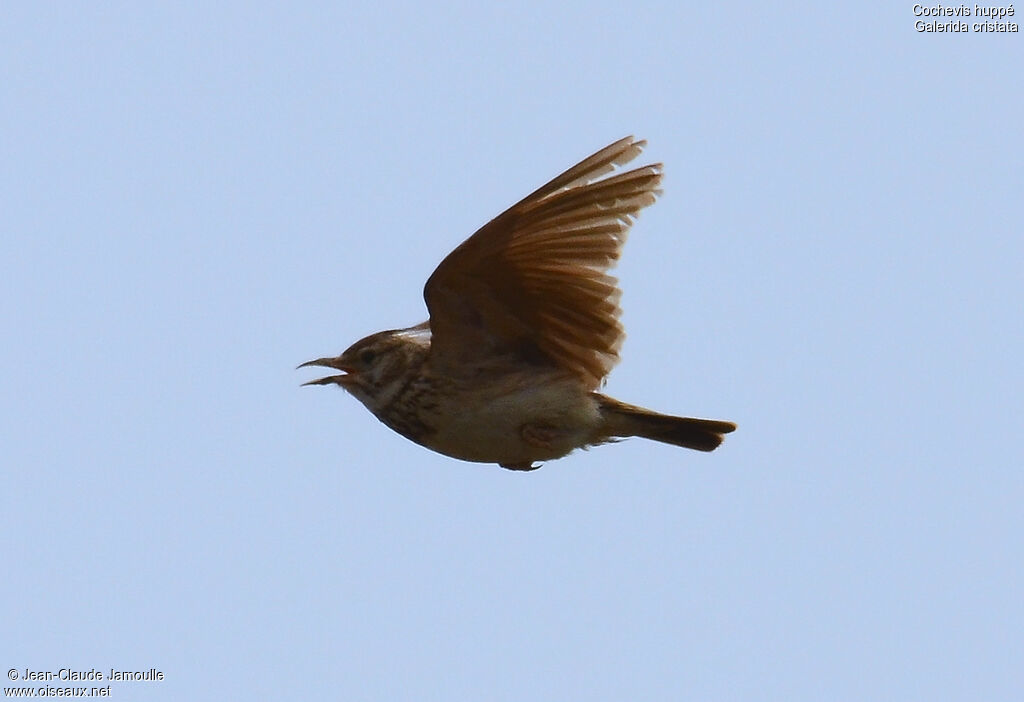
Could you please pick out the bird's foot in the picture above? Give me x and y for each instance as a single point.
(528, 465)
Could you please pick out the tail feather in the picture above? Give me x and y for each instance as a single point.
(624, 420)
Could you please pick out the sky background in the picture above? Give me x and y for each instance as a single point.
(197, 197)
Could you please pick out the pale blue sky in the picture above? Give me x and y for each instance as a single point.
(198, 197)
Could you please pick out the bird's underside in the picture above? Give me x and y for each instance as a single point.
(524, 326)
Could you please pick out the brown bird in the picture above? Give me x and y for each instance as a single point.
(524, 326)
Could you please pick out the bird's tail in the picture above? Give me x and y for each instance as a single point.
(622, 420)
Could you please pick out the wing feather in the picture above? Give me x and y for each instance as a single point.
(533, 281)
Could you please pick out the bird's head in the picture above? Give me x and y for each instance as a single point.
(376, 367)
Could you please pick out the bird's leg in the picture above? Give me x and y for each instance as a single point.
(539, 435)
(536, 435)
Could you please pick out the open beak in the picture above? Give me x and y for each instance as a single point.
(335, 363)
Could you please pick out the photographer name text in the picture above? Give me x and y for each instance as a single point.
(91, 675)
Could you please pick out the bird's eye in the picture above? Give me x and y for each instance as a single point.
(366, 357)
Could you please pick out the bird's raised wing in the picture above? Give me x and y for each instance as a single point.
(533, 282)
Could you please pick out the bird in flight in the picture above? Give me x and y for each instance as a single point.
(524, 327)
